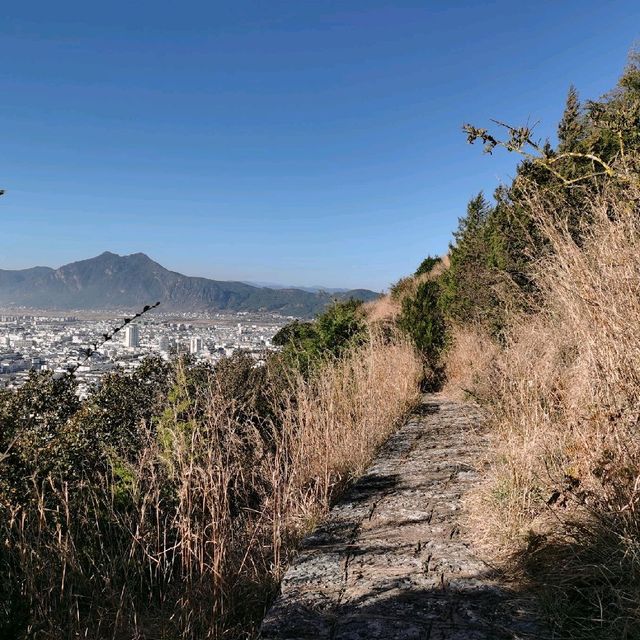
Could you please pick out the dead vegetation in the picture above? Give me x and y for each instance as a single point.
(563, 392)
(189, 539)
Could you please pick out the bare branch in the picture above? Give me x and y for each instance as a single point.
(520, 141)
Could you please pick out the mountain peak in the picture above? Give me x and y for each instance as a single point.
(112, 281)
(110, 254)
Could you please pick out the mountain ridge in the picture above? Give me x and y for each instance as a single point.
(110, 280)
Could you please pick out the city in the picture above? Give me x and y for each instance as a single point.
(55, 341)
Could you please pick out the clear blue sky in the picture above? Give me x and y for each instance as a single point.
(302, 142)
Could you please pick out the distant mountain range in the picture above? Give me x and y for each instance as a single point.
(313, 288)
(110, 281)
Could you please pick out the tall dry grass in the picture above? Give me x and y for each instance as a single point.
(344, 413)
(564, 393)
(384, 309)
(468, 358)
(191, 539)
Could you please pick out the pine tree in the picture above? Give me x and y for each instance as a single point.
(571, 128)
(477, 211)
(465, 284)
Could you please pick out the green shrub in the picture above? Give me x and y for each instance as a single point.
(422, 320)
(427, 265)
(339, 328)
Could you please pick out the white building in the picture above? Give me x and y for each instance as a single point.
(132, 336)
(195, 345)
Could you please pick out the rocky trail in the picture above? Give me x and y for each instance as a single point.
(393, 561)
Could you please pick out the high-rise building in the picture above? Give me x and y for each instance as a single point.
(132, 336)
(195, 345)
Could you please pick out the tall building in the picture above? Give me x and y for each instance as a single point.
(132, 336)
(195, 345)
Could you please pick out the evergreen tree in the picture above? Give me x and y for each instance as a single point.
(422, 320)
(465, 283)
(571, 127)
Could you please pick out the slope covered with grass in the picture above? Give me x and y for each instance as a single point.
(535, 317)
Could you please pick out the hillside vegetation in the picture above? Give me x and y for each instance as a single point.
(167, 503)
(534, 314)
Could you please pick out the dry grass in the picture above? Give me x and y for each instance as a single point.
(564, 488)
(442, 266)
(468, 361)
(190, 540)
(343, 415)
(384, 309)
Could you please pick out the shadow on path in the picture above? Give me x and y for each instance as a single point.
(392, 560)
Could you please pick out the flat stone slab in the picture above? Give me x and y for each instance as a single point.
(392, 561)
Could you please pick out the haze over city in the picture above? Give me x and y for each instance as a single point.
(295, 143)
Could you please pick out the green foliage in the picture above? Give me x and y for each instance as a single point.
(571, 128)
(492, 249)
(300, 343)
(427, 265)
(34, 440)
(336, 330)
(341, 326)
(423, 321)
(124, 402)
(124, 484)
(45, 429)
(295, 332)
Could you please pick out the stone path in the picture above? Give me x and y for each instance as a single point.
(391, 561)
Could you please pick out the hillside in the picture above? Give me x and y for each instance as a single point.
(113, 281)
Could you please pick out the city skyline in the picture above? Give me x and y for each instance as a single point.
(39, 341)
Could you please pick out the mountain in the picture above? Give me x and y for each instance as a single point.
(312, 289)
(110, 281)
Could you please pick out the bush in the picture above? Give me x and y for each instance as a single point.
(422, 320)
(168, 502)
(34, 439)
(564, 395)
(427, 265)
(341, 327)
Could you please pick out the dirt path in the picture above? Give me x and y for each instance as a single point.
(391, 561)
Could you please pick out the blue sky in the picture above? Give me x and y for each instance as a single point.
(302, 142)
